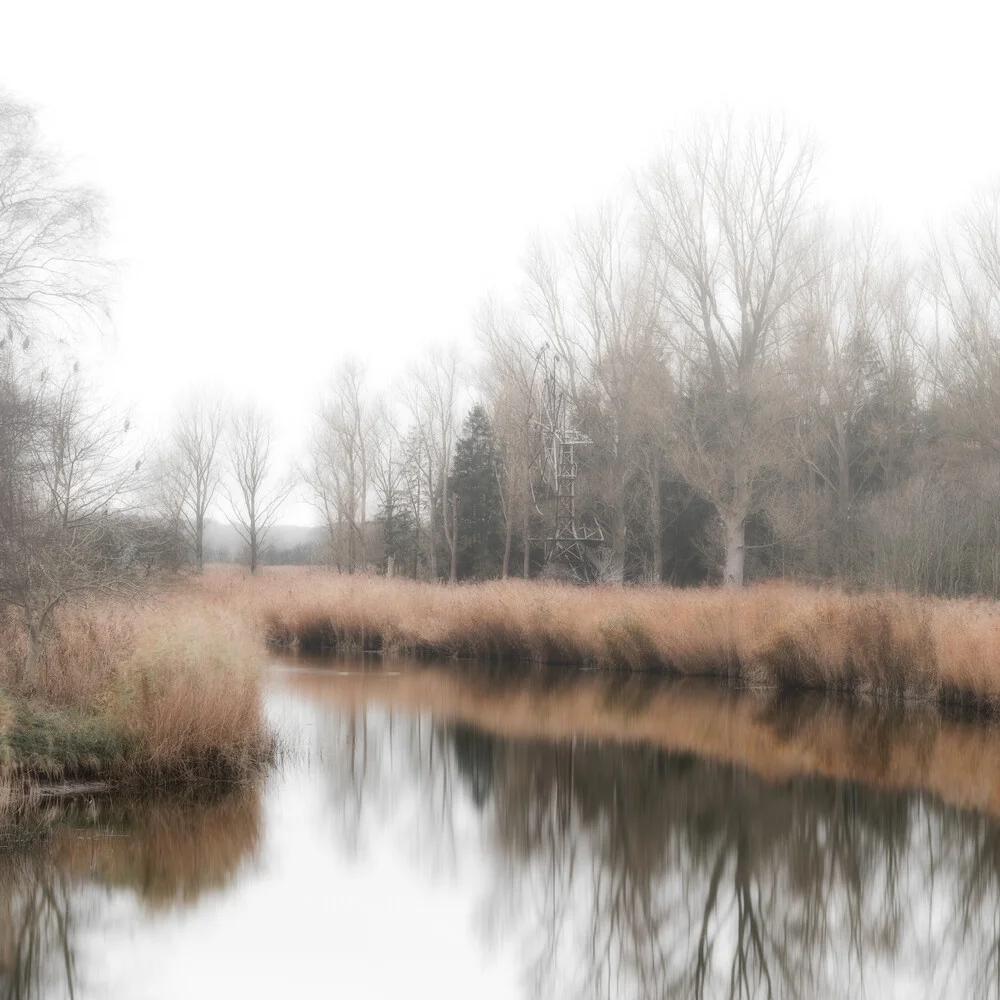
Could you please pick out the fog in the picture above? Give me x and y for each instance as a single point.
(286, 187)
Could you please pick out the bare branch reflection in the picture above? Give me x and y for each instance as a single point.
(626, 870)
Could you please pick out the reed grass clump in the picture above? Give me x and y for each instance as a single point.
(160, 693)
(781, 635)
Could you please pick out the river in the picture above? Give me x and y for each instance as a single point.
(433, 830)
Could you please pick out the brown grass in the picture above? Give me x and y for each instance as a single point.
(170, 690)
(162, 692)
(884, 645)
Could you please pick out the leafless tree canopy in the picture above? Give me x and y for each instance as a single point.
(256, 494)
(339, 469)
(51, 275)
(67, 523)
(727, 211)
(753, 386)
(191, 468)
(732, 384)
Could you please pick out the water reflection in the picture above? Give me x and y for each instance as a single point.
(610, 840)
(37, 925)
(164, 852)
(622, 869)
(168, 851)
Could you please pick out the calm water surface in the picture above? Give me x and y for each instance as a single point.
(432, 835)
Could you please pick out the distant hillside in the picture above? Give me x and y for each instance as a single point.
(287, 544)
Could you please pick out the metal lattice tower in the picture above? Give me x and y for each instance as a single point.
(569, 541)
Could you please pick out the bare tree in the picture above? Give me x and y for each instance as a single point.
(256, 496)
(510, 380)
(432, 400)
(338, 472)
(321, 474)
(853, 357)
(601, 307)
(193, 465)
(966, 265)
(50, 273)
(833, 359)
(66, 525)
(726, 210)
(388, 477)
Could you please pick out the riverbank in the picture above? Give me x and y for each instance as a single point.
(163, 693)
(879, 645)
(169, 691)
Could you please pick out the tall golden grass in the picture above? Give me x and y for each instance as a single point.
(775, 635)
(170, 690)
(155, 693)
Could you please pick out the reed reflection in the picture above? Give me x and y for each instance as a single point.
(161, 852)
(628, 869)
(169, 851)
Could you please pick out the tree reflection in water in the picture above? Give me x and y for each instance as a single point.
(627, 870)
(605, 868)
(37, 924)
(167, 851)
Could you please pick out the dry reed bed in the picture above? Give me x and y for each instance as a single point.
(167, 691)
(913, 749)
(774, 635)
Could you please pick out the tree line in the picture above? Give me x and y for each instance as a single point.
(708, 378)
(765, 391)
(85, 507)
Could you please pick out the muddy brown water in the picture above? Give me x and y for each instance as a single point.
(434, 831)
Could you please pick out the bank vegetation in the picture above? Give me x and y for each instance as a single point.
(778, 635)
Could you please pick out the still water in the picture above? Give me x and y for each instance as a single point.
(432, 832)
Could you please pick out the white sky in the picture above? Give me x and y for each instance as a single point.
(292, 183)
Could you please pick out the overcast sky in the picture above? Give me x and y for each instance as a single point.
(289, 183)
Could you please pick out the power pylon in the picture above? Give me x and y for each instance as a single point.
(569, 541)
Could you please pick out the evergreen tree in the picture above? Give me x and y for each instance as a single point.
(479, 519)
(398, 534)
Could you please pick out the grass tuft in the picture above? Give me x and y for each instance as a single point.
(168, 692)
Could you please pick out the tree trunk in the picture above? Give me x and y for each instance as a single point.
(736, 526)
(432, 519)
(199, 542)
(453, 539)
(339, 548)
(654, 515)
(506, 547)
(390, 564)
(253, 548)
(843, 472)
(350, 544)
(362, 542)
(34, 652)
(37, 627)
(616, 568)
(843, 493)
(814, 527)
(526, 569)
